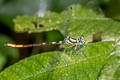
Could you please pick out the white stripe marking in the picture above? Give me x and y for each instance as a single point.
(43, 43)
(60, 41)
(73, 40)
(53, 42)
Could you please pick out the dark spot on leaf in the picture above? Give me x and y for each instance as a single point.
(26, 29)
(41, 25)
(37, 24)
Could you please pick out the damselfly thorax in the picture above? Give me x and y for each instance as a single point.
(67, 40)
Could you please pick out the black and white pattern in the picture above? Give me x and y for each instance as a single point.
(72, 41)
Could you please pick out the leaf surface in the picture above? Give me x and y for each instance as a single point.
(84, 63)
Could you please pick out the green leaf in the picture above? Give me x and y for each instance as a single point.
(79, 18)
(55, 21)
(111, 69)
(84, 63)
(86, 22)
(36, 24)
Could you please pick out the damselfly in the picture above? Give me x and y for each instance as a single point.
(67, 40)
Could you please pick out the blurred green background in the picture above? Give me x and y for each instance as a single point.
(10, 9)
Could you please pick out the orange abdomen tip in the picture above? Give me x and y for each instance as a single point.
(10, 45)
(15, 45)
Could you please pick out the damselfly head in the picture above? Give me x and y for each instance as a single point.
(82, 40)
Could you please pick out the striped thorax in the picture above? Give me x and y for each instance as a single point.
(72, 41)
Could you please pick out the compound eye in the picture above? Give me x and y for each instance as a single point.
(81, 37)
